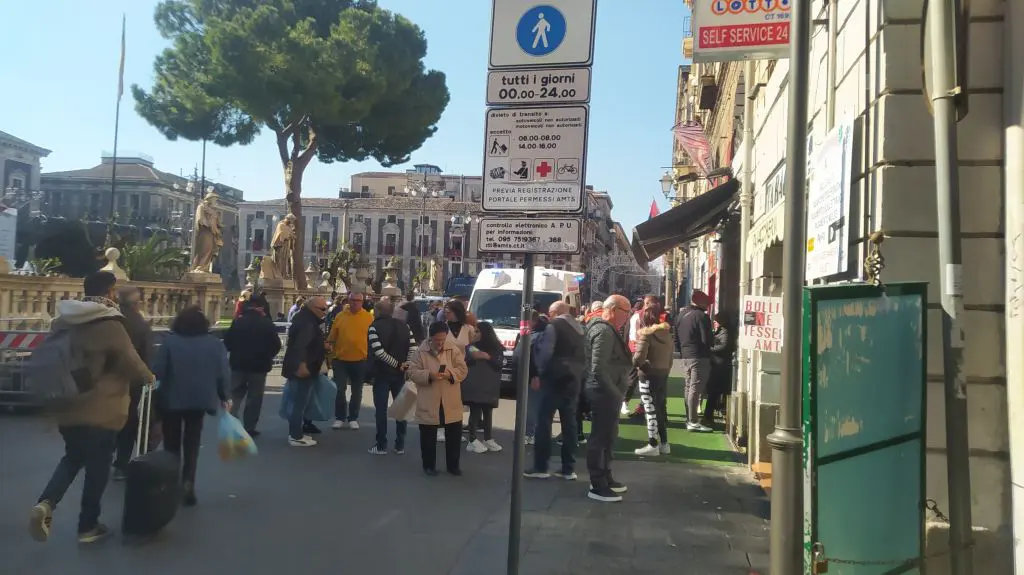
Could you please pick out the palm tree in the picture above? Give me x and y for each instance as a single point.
(153, 260)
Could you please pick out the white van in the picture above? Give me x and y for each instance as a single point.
(498, 297)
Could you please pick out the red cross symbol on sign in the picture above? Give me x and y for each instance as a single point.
(544, 169)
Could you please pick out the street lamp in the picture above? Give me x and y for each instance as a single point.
(667, 183)
(425, 193)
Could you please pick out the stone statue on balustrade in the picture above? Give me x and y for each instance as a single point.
(208, 239)
(278, 265)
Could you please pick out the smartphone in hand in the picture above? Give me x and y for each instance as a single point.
(442, 369)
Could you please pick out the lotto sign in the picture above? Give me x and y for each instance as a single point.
(534, 159)
(727, 30)
(761, 324)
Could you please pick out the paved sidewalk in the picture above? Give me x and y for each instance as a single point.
(674, 519)
(335, 509)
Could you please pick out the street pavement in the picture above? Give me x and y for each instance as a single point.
(336, 509)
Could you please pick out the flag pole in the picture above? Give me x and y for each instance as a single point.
(117, 125)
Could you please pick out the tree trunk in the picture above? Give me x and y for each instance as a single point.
(294, 161)
(293, 172)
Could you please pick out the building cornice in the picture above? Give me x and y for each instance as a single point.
(389, 203)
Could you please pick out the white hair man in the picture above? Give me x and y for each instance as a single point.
(606, 380)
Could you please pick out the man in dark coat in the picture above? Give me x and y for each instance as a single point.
(303, 360)
(252, 343)
(141, 334)
(560, 361)
(606, 379)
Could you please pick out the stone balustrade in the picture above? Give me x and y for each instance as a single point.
(29, 302)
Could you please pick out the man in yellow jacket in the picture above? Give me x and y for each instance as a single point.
(349, 345)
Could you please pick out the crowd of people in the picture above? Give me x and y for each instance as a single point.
(582, 366)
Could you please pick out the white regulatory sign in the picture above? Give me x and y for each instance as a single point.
(535, 235)
(534, 159)
(545, 86)
(542, 33)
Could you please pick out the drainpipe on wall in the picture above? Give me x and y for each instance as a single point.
(1014, 187)
(833, 34)
(742, 406)
(945, 85)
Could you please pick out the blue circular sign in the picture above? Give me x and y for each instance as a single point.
(541, 30)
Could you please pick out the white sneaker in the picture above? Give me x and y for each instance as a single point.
(529, 440)
(625, 409)
(353, 425)
(476, 446)
(648, 451)
(440, 436)
(338, 424)
(699, 428)
(376, 450)
(305, 441)
(665, 449)
(492, 445)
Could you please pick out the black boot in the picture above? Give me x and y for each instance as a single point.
(188, 498)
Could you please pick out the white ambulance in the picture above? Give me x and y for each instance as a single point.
(498, 296)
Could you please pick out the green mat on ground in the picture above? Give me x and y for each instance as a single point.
(687, 446)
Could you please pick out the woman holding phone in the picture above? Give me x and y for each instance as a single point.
(437, 369)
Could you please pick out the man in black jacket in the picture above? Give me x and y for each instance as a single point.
(391, 346)
(303, 360)
(693, 341)
(141, 334)
(253, 343)
(561, 360)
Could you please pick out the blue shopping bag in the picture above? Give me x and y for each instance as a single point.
(321, 407)
(233, 442)
(321, 404)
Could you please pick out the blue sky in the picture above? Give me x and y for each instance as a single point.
(62, 67)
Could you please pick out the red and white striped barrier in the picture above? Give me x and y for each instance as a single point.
(20, 340)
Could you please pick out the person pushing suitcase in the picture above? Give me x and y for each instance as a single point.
(84, 371)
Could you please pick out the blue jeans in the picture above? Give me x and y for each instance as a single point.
(86, 447)
(351, 373)
(303, 394)
(564, 401)
(384, 385)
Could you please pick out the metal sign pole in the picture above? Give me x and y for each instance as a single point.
(786, 543)
(515, 516)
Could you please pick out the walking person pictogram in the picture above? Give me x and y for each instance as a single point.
(540, 30)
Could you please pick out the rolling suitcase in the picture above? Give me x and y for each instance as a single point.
(152, 486)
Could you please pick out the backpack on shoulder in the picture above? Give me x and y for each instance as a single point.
(57, 372)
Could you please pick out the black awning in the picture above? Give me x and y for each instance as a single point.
(687, 221)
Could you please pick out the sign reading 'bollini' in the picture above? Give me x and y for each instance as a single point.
(727, 30)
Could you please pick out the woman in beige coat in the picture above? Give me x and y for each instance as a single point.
(437, 369)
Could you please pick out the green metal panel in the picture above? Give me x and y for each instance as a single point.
(863, 423)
